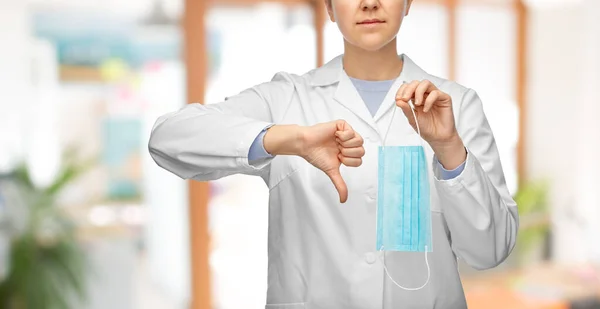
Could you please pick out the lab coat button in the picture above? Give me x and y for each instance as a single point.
(371, 194)
(370, 258)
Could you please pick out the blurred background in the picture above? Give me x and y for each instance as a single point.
(87, 220)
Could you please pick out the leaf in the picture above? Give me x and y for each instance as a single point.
(70, 171)
(21, 174)
(67, 259)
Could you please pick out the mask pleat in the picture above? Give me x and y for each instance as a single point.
(412, 203)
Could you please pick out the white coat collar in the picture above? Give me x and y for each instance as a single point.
(345, 94)
(331, 72)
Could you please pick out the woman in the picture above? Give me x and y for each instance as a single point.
(312, 135)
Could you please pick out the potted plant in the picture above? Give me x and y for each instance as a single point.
(534, 229)
(46, 264)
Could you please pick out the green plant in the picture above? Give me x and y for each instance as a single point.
(532, 201)
(47, 265)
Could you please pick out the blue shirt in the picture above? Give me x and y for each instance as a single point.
(373, 93)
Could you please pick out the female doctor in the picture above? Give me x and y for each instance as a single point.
(316, 140)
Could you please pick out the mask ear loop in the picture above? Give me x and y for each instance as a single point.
(396, 283)
(412, 109)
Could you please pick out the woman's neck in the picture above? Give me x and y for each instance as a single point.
(383, 64)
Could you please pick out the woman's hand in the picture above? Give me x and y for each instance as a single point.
(329, 145)
(433, 109)
(325, 145)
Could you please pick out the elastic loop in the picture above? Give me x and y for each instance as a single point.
(396, 283)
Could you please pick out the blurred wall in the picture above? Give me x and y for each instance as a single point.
(165, 195)
(588, 182)
(15, 84)
(563, 135)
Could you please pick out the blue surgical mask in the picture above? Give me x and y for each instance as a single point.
(403, 204)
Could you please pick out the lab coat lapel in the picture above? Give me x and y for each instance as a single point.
(410, 72)
(347, 95)
(390, 99)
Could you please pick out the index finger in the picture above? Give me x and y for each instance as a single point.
(408, 92)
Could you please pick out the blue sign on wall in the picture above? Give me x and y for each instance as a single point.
(89, 38)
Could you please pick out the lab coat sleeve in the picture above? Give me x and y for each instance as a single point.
(481, 214)
(207, 142)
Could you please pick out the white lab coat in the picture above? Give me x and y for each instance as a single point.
(322, 253)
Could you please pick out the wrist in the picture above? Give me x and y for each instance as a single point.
(284, 140)
(451, 154)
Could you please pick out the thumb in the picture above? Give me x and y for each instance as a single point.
(341, 125)
(339, 183)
